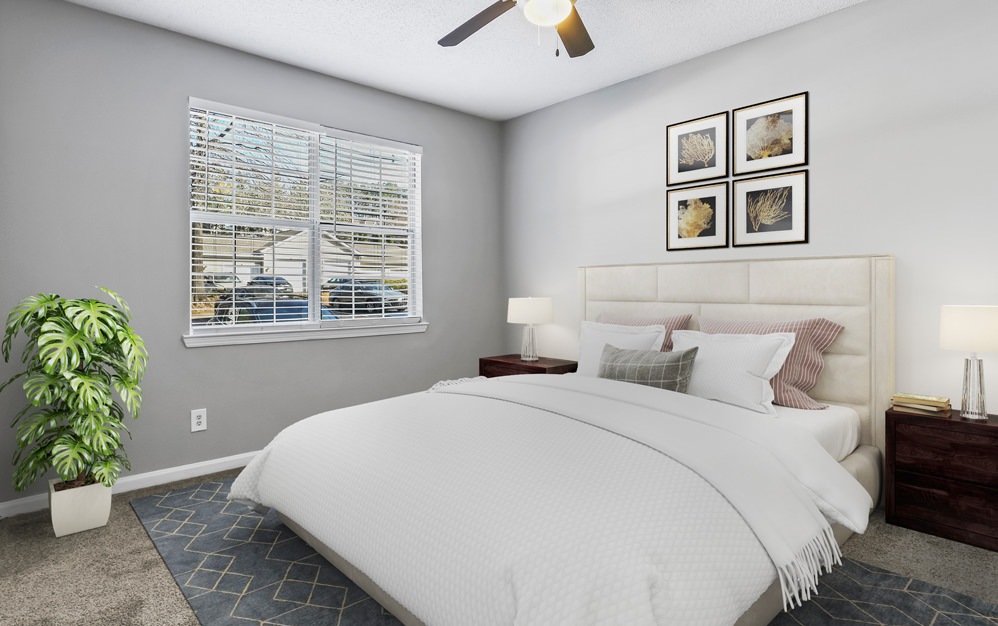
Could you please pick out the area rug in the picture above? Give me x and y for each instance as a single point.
(237, 567)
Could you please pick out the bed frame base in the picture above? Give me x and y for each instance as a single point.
(761, 613)
(358, 577)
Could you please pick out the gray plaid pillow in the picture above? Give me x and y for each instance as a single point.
(666, 370)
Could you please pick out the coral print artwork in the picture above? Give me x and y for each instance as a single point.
(697, 217)
(697, 149)
(770, 135)
(770, 209)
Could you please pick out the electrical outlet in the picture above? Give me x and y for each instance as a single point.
(199, 420)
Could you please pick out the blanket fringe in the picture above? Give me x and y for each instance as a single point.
(799, 578)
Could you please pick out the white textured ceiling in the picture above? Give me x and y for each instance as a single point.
(498, 73)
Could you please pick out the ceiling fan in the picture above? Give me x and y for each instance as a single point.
(558, 13)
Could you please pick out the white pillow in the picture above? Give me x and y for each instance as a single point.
(735, 369)
(593, 336)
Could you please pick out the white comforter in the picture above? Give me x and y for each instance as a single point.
(509, 501)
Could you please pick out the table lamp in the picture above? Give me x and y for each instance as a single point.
(529, 311)
(970, 329)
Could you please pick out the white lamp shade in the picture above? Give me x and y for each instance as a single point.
(969, 328)
(547, 12)
(529, 311)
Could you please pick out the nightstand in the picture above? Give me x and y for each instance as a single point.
(942, 476)
(510, 364)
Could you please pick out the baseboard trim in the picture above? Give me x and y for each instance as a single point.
(38, 502)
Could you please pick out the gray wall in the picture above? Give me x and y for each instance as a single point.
(903, 136)
(93, 166)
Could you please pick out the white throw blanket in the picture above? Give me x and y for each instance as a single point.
(794, 484)
(470, 507)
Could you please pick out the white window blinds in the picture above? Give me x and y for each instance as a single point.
(299, 226)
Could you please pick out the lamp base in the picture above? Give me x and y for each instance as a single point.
(528, 348)
(972, 406)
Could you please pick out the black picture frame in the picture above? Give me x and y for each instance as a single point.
(697, 149)
(770, 135)
(771, 209)
(697, 217)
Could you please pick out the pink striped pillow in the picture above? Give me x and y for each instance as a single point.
(800, 371)
(675, 322)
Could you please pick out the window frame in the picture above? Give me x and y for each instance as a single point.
(315, 327)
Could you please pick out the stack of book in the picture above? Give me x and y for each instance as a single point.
(924, 405)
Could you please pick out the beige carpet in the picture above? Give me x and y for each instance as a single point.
(114, 575)
(957, 566)
(107, 576)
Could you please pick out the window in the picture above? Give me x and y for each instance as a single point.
(299, 231)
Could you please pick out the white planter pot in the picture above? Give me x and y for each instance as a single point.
(78, 509)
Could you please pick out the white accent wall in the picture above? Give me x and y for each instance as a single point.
(903, 160)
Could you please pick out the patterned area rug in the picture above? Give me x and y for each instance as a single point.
(237, 567)
(857, 593)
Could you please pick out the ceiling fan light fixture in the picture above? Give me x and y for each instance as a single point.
(547, 12)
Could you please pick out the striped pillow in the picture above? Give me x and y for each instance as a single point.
(799, 373)
(665, 370)
(675, 322)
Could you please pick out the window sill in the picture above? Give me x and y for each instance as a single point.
(249, 336)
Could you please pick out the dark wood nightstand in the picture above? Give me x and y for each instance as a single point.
(509, 364)
(942, 476)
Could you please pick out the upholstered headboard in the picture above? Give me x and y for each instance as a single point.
(856, 292)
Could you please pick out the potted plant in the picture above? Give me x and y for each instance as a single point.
(82, 368)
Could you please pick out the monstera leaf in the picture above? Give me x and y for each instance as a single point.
(44, 388)
(134, 351)
(61, 346)
(107, 470)
(28, 315)
(130, 393)
(71, 456)
(90, 393)
(37, 426)
(98, 321)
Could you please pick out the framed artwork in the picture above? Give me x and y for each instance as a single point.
(697, 217)
(770, 209)
(770, 135)
(697, 149)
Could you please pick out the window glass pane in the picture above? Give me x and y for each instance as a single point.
(365, 274)
(248, 275)
(241, 167)
(365, 184)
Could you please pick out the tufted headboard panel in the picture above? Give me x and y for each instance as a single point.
(854, 291)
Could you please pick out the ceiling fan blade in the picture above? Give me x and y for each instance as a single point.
(472, 26)
(574, 35)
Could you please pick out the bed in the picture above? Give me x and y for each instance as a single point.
(511, 558)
